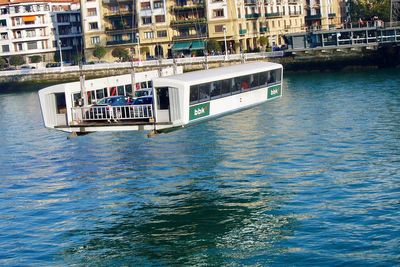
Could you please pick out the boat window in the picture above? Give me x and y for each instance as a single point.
(143, 85)
(263, 78)
(194, 94)
(245, 83)
(100, 93)
(278, 75)
(215, 89)
(226, 87)
(106, 92)
(204, 92)
(235, 86)
(254, 80)
(121, 90)
(128, 89)
(76, 98)
(272, 77)
(150, 84)
(89, 96)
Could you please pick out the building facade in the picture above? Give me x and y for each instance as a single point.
(40, 28)
(170, 28)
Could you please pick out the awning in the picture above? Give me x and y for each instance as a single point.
(198, 45)
(29, 18)
(181, 46)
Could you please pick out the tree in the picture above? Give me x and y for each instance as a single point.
(263, 42)
(99, 52)
(213, 45)
(35, 59)
(366, 9)
(17, 60)
(3, 63)
(121, 53)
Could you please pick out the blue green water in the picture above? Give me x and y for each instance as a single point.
(310, 179)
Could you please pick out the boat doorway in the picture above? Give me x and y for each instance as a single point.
(163, 114)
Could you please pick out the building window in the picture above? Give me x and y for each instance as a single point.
(145, 5)
(161, 34)
(218, 13)
(30, 33)
(91, 12)
(32, 45)
(95, 40)
(148, 35)
(146, 20)
(5, 48)
(3, 23)
(4, 36)
(158, 4)
(93, 26)
(160, 18)
(219, 28)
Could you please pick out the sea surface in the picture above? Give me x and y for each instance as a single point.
(312, 179)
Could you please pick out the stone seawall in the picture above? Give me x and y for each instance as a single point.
(315, 61)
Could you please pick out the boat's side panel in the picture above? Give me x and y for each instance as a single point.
(231, 103)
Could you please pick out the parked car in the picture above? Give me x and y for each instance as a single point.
(108, 108)
(141, 107)
(143, 100)
(27, 67)
(53, 65)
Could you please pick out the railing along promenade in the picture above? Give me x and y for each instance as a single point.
(148, 63)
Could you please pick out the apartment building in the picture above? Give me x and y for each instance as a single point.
(30, 28)
(324, 14)
(166, 28)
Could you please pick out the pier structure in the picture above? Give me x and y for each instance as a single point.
(353, 36)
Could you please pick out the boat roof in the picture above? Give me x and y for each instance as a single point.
(221, 73)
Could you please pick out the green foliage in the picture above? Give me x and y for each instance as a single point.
(263, 40)
(99, 52)
(17, 60)
(368, 9)
(3, 63)
(213, 45)
(144, 50)
(35, 59)
(121, 53)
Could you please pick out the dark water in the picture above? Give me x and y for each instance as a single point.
(310, 179)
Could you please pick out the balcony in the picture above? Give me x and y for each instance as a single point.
(189, 36)
(187, 22)
(273, 15)
(331, 15)
(118, 42)
(250, 2)
(242, 31)
(313, 17)
(118, 29)
(294, 13)
(188, 8)
(263, 29)
(252, 16)
(118, 13)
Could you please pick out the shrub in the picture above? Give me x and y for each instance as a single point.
(17, 60)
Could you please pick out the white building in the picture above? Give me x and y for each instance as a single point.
(31, 28)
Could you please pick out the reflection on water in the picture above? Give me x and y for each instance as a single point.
(309, 179)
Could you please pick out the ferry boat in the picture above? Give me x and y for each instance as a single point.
(178, 100)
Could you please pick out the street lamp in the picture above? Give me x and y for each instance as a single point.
(138, 44)
(226, 50)
(61, 60)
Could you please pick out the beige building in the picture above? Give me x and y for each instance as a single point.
(167, 28)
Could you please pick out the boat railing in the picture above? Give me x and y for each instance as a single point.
(112, 113)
